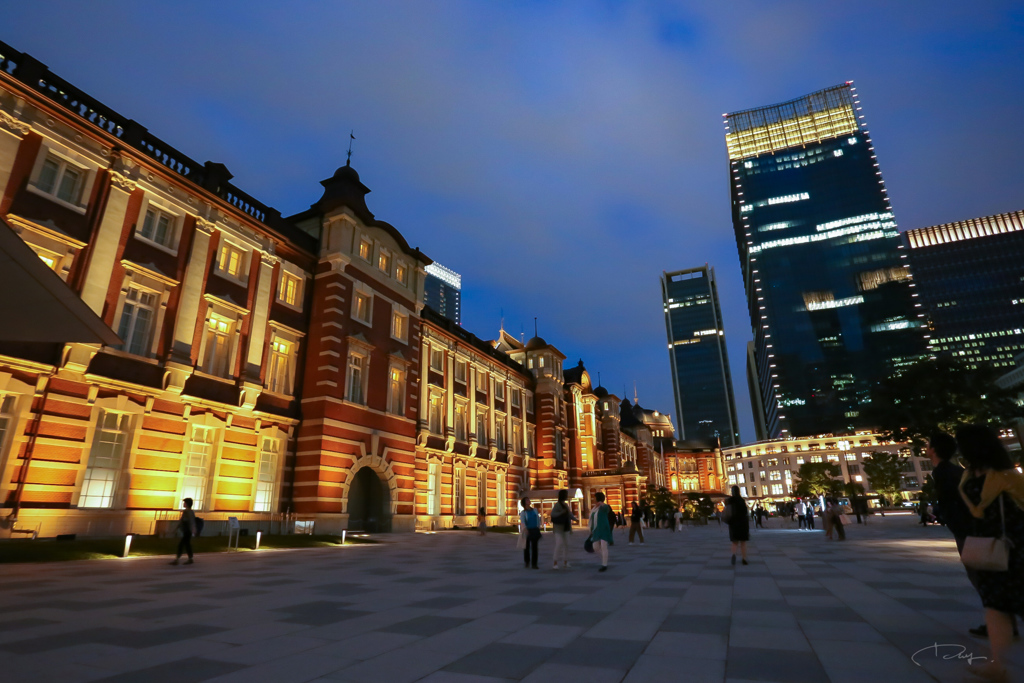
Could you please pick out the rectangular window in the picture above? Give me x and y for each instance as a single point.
(481, 380)
(516, 398)
(459, 494)
(266, 475)
(434, 489)
(529, 402)
(361, 307)
(499, 391)
(396, 392)
(531, 438)
(106, 460)
(853, 468)
(218, 347)
(517, 437)
(356, 379)
(402, 273)
(399, 326)
(158, 226)
(365, 249)
(481, 427)
(231, 261)
(460, 371)
(137, 319)
(460, 421)
(61, 179)
(384, 261)
(279, 378)
(197, 465)
(776, 489)
(499, 433)
(815, 458)
(501, 492)
(481, 490)
(437, 414)
(775, 475)
(289, 289)
(437, 360)
(558, 448)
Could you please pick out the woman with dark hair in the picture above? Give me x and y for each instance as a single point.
(993, 492)
(561, 526)
(738, 519)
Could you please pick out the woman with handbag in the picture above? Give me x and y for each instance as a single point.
(601, 529)
(994, 494)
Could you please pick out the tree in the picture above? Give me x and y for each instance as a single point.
(699, 505)
(883, 471)
(818, 479)
(938, 394)
(853, 489)
(661, 501)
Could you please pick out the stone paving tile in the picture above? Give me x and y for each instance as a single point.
(187, 670)
(502, 660)
(425, 626)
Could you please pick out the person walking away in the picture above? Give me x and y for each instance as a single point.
(601, 529)
(809, 517)
(993, 492)
(481, 524)
(635, 526)
(738, 519)
(561, 527)
(801, 514)
(678, 515)
(837, 521)
(530, 520)
(827, 517)
(187, 527)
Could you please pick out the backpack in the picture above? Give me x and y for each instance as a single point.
(199, 526)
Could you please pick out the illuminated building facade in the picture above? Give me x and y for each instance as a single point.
(442, 291)
(701, 380)
(828, 288)
(970, 278)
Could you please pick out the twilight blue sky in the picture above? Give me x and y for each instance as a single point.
(558, 155)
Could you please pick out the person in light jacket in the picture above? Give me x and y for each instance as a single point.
(601, 529)
(561, 526)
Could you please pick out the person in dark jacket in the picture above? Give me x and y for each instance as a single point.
(738, 519)
(635, 526)
(187, 527)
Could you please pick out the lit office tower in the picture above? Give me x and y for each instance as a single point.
(696, 349)
(970, 278)
(442, 291)
(828, 287)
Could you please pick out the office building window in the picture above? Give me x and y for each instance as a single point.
(106, 460)
(138, 315)
(266, 475)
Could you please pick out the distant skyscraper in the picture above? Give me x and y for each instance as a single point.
(443, 292)
(828, 288)
(970, 278)
(696, 349)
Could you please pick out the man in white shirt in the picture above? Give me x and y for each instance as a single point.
(801, 510)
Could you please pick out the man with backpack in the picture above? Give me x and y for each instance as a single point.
(189, 526)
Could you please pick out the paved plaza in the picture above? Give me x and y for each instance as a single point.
(456, 607)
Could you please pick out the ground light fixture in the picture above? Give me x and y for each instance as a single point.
(343, 532)
(259, 535)
(127, 545)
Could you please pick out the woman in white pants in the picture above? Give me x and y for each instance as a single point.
(561, 526)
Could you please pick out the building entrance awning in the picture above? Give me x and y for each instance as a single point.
(36, 305)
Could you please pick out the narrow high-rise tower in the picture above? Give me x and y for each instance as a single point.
(828, 287)
(442, 291)
(705, 407)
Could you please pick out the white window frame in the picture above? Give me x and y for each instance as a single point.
(499, 391)
(517, 436)
(399, 407)
(174, 222)
(213, 329)
(461, 420)
(275, 358)
(517, 401)
(437, 354)
(481, 419)
(500, 423)
(197, 464)
(129, 336)
(368, 244)
(243, 261)
(402, 272)
(103, 473)
(266, 474)
(459, 491)
(299, 281)
(363, 384)
(399, 325)
(502, 493)
(435, 413)
(434, 488)
(357, 295)
(63, 161)
(481, 492)
(460, 370)
(385, 261)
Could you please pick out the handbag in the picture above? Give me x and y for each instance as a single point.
(588, 545)
(988, 554)
(521, 543)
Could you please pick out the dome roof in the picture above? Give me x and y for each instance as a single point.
(535, 343)
(346, 172)
(600, 392)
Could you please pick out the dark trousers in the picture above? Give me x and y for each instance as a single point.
(185, 544)
(839, 529)
(532, 538)
(810, 521)
(801, 522)
(634, 529)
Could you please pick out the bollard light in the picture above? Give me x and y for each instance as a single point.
(127, 545)
(343, 531)
(259, 534)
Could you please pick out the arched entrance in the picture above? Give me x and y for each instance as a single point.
(369, 503)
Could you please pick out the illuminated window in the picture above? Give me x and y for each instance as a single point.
(481, 380)
(396, 392)
(499, 433)
(361, 304)
(289, 289)
(106, 460)
(776, 489)
(279, 378)
(218, 346)
(402, 273)
(399, 325)
(197, 465)
(460, 371)
(433, 489)
(481, 426)
(47, 257)
(459, 493)
(61, 179)
(501, 492)
(437, 359)
(531, 439)
(517, 437)
(266, 475)
(481, 490)
(365, 249)
(355, 387)
(499, 391)
(384, 261)
(436, 414)
(516, 398)
(231, 261)
(158, 226)
(461, 421)
(137, 318)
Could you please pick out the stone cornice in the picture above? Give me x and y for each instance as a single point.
(13, 125)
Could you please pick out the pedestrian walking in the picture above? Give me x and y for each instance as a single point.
(809, 517)
(635, 526)
(561, 527)
(826, 518)
(801, 514)
(530, 521)
(837, 521)
(601, 529)
(481, 524)
(678, 515)
(187, 527)
(993, 492)
(738, 519)
(759, 517)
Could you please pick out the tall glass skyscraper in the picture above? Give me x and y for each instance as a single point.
(705, 407)
(828, 286)
(442, 291)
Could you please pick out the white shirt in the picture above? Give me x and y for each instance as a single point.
(801, 509)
